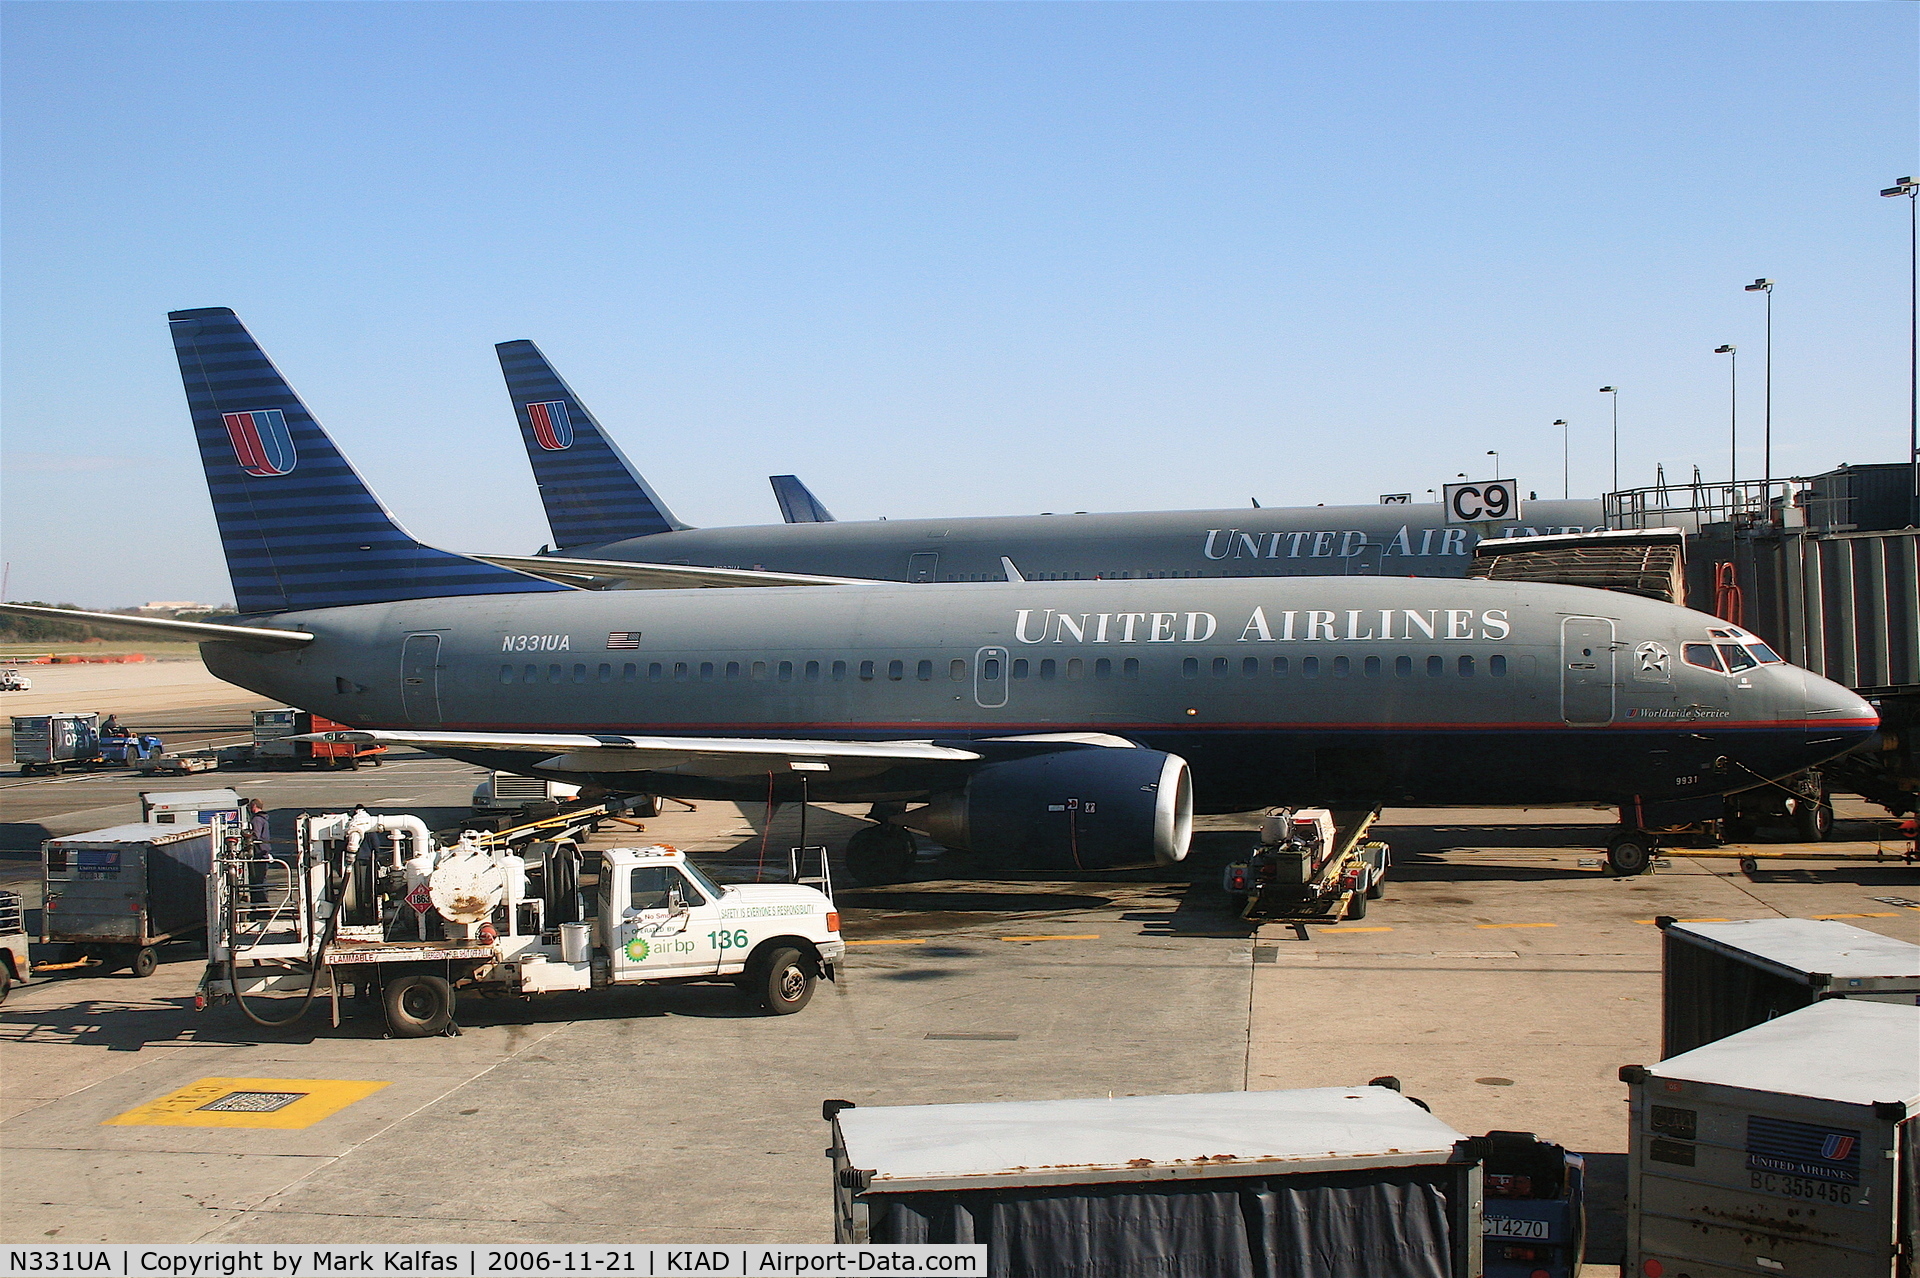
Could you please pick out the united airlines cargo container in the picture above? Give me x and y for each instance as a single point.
(1717, 979)
(190, 807)
(1784, 1150)
(122, 892)
(1315, 1182)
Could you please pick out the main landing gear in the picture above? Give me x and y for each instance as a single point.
(881, 854)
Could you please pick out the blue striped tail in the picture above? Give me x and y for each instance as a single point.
(592, 493)
(798, 505)
(299, 526)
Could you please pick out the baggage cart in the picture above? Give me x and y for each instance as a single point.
(14, 964)
(280, 741)
(1228, 1184)
(1786, 1149)
(50, 743)
(1720, 978)
(122, 892)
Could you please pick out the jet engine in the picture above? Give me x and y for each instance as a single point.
(1091, 808)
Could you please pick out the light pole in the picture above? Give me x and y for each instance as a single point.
(1766, 436)
(1615, 392)
(1909, 187)
(1566, 460)
(1496, 462)
(1733, 412)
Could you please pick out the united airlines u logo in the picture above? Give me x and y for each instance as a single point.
(261, 442)
(552, 428)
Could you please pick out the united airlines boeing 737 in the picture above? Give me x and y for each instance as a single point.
(1049, 724)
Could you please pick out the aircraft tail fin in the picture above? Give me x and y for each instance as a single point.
(798, 505)
(592, 493)
(300, 528)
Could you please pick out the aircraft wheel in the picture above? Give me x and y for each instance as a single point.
(418, 1005)
(782, 982)
(143, 960)
(1629, 855)
(1812, 820)
(880, 854)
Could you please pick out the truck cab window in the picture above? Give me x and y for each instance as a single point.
(648, 890)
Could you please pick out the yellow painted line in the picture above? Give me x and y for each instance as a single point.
(1688, 920)
(285, 1103)
(1487, 927)
(1343, 931)
(909, 940)
(1091, 936)
(1889, 914)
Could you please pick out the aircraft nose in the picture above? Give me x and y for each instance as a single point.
(1827, 706)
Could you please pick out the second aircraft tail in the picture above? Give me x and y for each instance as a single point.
(798, 505)
(592, 493)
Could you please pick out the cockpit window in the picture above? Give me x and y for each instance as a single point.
(1702, 655)
(1763, 654)
(1736, 657)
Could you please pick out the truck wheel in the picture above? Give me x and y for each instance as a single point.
(1812, 820)
(418, 1005)
(6, 981)
(880, 854)
(783, 981)
(142, 960)
(1629, 855)
(1357, 906)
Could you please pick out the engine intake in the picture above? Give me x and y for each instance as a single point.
(1087, 809)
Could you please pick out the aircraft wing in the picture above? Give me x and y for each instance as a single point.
(685, 756)
(603, 574)
(258, 638)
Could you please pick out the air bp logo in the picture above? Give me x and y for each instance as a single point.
(1652, 661)
(638, 949)
(552, 428)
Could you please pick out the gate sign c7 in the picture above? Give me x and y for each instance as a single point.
(1483, 501)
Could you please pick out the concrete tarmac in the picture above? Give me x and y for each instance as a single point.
(1500, 978)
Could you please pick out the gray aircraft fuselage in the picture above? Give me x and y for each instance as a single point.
(1315, 541)
(1277, 691)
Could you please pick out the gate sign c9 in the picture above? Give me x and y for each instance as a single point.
(1483, 501)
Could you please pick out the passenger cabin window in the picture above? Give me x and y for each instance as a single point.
(606, 672)
(866, 671)
(1047, 668)
(1497, 666)
(1309, 667)
(706, 672)
(1466, 667)
(1403, 667)
(580, 672)
(1220, 667)
(1076, 668)
(1701, 655)
(655, 670)
(924, 671)
(681, 673)
(1341, 667)
(1190, 668)
(506, 674)
(1436, 666)
(531, 674)
(629, 672)
(839, 672)
(990, 669)
(1130, 668)
(813, 672)
(786, 672)
(1103, 668)
(1373, 667)
(896, 670)
(554, 674)
(733, 670)
(760, 670)
(1249, 666)
(956, 670)
(1020, 667)
(1280, 667)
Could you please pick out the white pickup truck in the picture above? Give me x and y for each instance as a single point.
(372, 905)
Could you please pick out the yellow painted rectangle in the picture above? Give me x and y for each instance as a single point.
(910, 940)
(1094, 936)
(1890, 914)
(316, 1099)
(1487, 927)
(1343, 931)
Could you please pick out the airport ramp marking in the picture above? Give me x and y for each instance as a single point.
(1687, 920)
(1090, 936)
(1888, 914)
(1487, 927)
(891, 940)
(281, 1103)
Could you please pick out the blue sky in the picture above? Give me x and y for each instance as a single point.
(941, 259)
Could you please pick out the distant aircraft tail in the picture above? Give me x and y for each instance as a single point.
(798, 505)
(592, 493)
(300, 528)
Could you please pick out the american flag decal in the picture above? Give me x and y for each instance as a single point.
(623, 639)
(552, 428)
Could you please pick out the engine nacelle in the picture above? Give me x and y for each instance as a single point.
(1092, 808)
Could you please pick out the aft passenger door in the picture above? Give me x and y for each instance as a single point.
(924, 566)
(420, 680)
(1586, 671)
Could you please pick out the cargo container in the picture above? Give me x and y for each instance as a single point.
(274, 746)
(122, 892)
(1720, 978)
(190, 807)
(1784, 1150)
(1313, 1182)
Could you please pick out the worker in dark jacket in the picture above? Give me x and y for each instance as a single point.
(260, 851)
